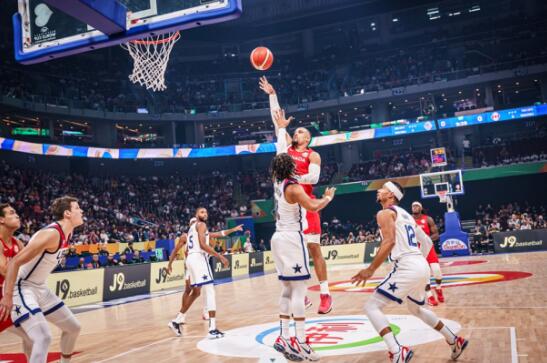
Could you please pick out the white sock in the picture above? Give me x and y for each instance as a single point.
(180, 319)
(392, 344)
(300, 330)
(284, 326)
(324, 286)
(429, 293)
(448, 335)
(65, 360)
(212, 324)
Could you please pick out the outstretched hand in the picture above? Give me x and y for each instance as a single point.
(360, 279)
(266, 86)
(280, 120)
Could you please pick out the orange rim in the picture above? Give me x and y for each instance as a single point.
(175, 36)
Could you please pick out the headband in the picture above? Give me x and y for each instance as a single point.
(193, 219)
(417, 203)
(393, 188)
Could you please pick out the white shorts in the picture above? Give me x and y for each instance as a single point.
(312, 238)
(408, 279)
(29, 299)
(291, 256)
(199, 269)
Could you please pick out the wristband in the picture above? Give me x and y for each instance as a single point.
(223, 233)
(329, 198)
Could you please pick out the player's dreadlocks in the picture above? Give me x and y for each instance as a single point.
(282, 167)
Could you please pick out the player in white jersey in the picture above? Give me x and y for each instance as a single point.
(291, 255)
(26, 295)
(410, 274)
(199, 269)
(191, 293)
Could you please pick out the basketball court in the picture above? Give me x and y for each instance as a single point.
(502, 317)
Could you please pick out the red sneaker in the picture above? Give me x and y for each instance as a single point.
(326, 304)
(440, 295)
(307, 302)
(402, 356)
(431, 301)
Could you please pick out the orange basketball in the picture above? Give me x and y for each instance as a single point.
(262, 58)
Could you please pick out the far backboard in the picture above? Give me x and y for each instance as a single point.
(450, 181)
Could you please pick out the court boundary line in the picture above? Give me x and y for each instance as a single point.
(135, 350)
(514, 353)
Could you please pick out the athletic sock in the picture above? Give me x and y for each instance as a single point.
(300, 326)
(392, 344)
(448, 335)
(212, 324)
(284, 326)
(324, 287)
(180, 319)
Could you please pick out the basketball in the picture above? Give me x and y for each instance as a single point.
(262, 58)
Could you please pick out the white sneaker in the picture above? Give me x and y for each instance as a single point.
(303, 350)
(458, 347)
(402, 356)
(282, 346)
(215, 334)
(175, 328)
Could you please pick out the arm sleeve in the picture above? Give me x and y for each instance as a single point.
(425, 242)
(274, 106)
(312, 177)
(281, 144)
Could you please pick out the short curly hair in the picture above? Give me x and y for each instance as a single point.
(282, 167)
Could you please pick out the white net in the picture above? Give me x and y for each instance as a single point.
(150, 57)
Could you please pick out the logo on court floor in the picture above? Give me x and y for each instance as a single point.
(449, 280)
(341, 335)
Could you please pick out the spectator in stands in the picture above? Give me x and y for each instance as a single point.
(103, 251)
(137, 258)
(262, 245)
(129, 249)
(71, 252)
(123, 260)
(95, 263)
(112, 260)
(81, 264)
(218, 247)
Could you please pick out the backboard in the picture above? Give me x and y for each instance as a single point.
(41, 32)
(450, 181)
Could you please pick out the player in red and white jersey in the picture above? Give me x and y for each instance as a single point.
(27, 297)
(308, 169)
(430, 228)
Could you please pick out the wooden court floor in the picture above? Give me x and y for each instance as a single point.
(504, 321)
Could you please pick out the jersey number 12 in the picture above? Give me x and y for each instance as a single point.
(411, 234)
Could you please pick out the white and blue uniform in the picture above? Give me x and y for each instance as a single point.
(288, 248)
(31, 294)
(410, 273)
(197, 261)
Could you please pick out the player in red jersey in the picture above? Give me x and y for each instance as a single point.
(430, 228)
(308, 168)
(9, 247)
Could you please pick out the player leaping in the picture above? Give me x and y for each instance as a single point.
(308, 168)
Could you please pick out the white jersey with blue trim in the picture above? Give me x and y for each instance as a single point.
(290, 217)
(192, 244)
(37, 270)
(406, 243)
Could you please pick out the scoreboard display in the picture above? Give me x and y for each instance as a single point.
(438, 156)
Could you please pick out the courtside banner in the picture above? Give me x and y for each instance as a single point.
(256, 262)
(344, 254)
(520, 241)
(219, 271)
(124, 281)
(240, 264)
(77, 287)
(371, 249)
(160, 280)
(269, 265)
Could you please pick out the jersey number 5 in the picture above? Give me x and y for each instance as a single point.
(411, 236)
(191, 242)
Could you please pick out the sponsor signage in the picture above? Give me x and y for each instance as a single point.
(124, 281)
(219, 271)
(256, 262)
(520, 241)
(269, 265)
(160, 280)
(453, 244)
(240, 264)
(344, 254)
(77, 287)
(371, 249)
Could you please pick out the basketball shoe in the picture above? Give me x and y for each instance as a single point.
(303, 350)
(440, 295)
(458, 347)
(402, 356)
(282, 346)
(175, 328)
(325, 306)
(215, 334)
(431, 301)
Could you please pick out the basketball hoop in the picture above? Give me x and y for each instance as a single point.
(442, 196)
(150, 56)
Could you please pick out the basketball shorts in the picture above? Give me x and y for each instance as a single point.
(432, 256)
(407, 279)
(5, 323)
(199, 269)
(313, 233)
(30, 299)
(290, 256)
